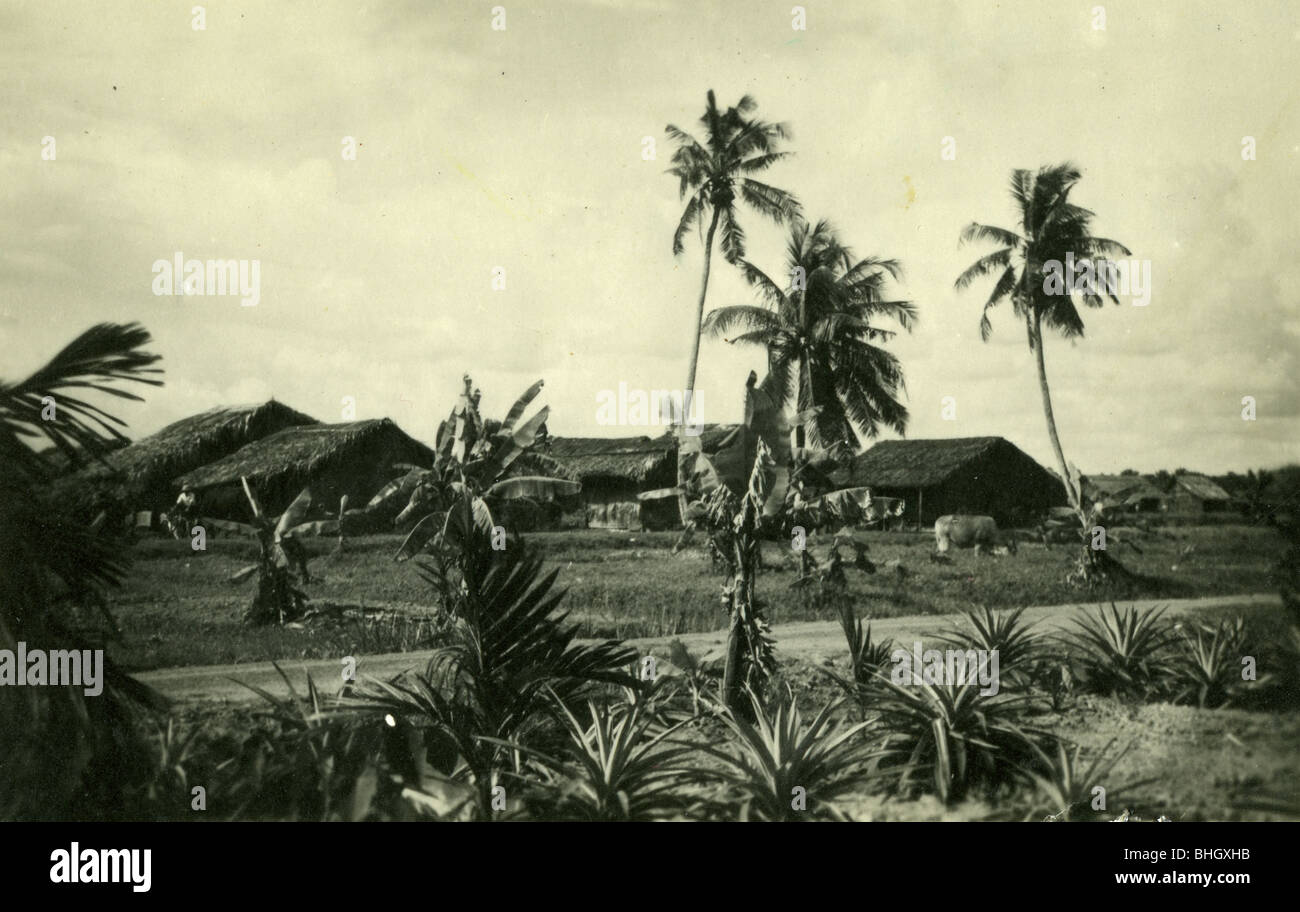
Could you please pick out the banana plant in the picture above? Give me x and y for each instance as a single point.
(280, 553)
(770, 501)
(477, 463)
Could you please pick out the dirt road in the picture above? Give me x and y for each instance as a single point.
(810, 640)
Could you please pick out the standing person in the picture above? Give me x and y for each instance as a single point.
(185, 513)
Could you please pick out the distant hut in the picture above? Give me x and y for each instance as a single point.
(354, 459)
(984, 475)
(1198, 494)
(138, 477)
(613, 471)
(1123, 493)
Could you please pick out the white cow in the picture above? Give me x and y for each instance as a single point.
(978, 532)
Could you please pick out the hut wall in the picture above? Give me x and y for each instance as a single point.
(1005, 484)
(1013, 489)
(608, 506)
(660, 514)
(358, 472)
(1152, 504)
(1186, 502)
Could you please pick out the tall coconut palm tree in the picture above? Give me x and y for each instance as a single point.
(715, 175)
(1051, 231)
(821, 330)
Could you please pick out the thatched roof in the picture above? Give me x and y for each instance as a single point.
(712, 437)
(920, 463)
(1201, 487)
(1126, 488)
(305, 450)
(629, 459)
(148, 465)
(1111, 484)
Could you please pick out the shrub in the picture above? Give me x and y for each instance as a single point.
(965, 740)
(311, 764)
(767, 759)
(1067, 791)
(1206, 667)
(1019, 648)
(611, 769)
(867, 659)
(703, 677)
(1123, 652)
(508, 657)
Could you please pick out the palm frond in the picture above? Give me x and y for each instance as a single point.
(779, 205)
(58, 740)
(998, 259)
(690, 217)
(1000, 236)
(724, 320)
(103, 355)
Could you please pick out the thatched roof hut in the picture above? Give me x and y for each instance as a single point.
(139, 476)
(353, 459)
(613, 470)
(1198, 494)
(612, 461)
(984, 475)
(1123, 492)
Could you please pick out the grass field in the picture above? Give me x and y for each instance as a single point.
(178, 608)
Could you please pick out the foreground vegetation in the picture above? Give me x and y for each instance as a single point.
(835, 742)
(515, 719)
(177, 607)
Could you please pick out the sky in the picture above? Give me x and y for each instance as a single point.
(522, 149)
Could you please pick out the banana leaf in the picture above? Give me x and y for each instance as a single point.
(241, 575)
(765, 422)
(659, 494)
(701, 473)
(763, 482)
(252, 501)
(517, 410)
(846, 504)
(418, 537)
(466, 511)
(295, 514)
(387, 491)
(315, 528)
(514, 445)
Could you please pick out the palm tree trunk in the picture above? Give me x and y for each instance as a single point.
(1036, 336)
(689, 391)
(1095, 566)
